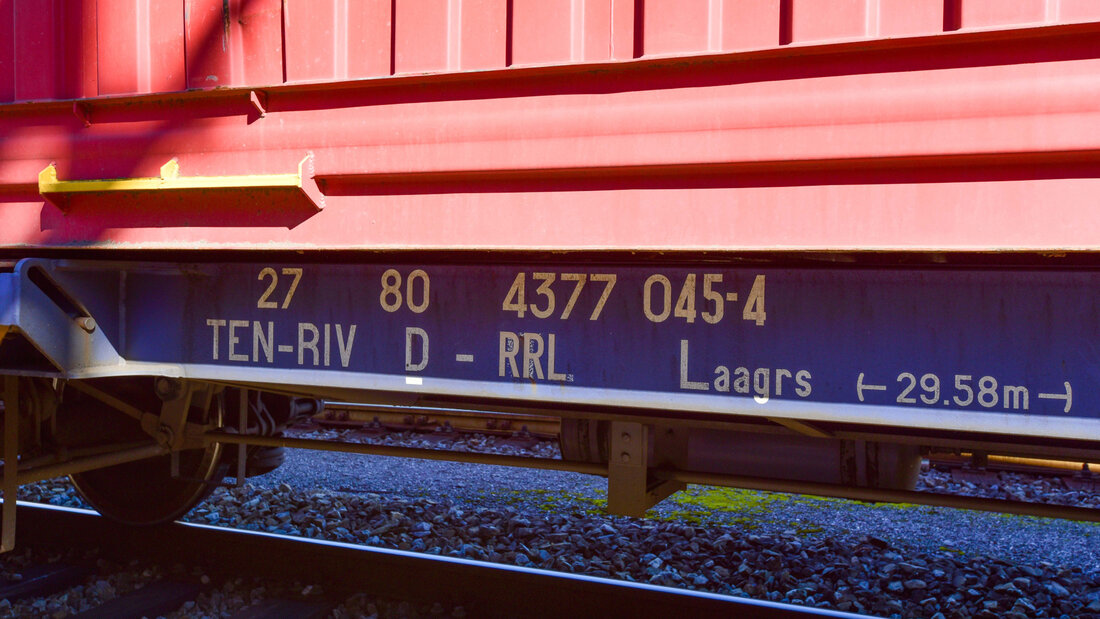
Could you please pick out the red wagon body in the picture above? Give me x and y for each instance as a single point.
(530, 124)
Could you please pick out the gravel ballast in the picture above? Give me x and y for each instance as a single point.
(888, 560)
(217, 596)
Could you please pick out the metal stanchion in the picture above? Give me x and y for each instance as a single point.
(11, 462)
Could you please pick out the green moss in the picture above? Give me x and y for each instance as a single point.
(728, 499)
(746, 509)
(750, 508)
(898, 506)
(554, 500)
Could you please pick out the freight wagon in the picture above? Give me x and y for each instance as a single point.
(776, 243)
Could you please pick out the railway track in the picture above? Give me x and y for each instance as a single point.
(478, 588)
(980, 469)
(436, 419)
(970, 466)
(455, 424)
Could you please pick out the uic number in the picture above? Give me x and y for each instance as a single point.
(270, 273)
(416, 291)
(713, 300)
(515, 300)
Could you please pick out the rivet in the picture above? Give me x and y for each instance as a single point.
(625, 457)
(167, 388)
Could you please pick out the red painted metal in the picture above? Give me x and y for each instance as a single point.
(562, 124)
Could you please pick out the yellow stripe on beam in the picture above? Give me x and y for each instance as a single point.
(58, 192)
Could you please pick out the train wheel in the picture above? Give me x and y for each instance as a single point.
(145, 493)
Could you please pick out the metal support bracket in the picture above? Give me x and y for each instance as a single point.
(801, 427)
(302, 183)
(36, 307)
(631, 490)
(169, 428)
(242, 449)
(258, 100)
(11, 462)
(110, 400)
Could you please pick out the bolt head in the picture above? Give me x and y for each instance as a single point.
(165, 435)
(166, 388)
(625, 458)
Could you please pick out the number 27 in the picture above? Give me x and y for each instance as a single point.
(269, 273)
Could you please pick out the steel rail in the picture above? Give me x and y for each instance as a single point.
(433, 410)
(461, 419)
(483, 589)
(406, 452)
(993, 462)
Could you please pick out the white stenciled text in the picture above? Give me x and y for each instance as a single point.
(305, 343)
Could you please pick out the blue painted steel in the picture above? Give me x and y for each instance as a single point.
(52, 328)
(993, 341)
(821, 330)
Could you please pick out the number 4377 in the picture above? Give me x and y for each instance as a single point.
(546, 302)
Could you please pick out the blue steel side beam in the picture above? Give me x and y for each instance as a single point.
(994, 351)
(35, 306)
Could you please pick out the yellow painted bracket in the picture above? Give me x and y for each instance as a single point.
(304, 182)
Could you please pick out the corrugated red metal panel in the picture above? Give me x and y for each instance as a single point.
(344, 39)
(978, 141)
(312, 32)
(987, 13)
(207, 33)
(370, 23)
(623, 35)
(481, 41)
(550, 26)
(595, 29)
(84, 48)
(164, 67)
(898, 18)
(140, 46)
(7, 51)
(80, 74)
(751, 24)
(257, 41)
(975, 140)
(568, 31)
(421, 36)
(35, 41)
(823, 21)
(678, 27)
(47, 49)
(1078, 10)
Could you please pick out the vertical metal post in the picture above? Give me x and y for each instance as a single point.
(629, 489)
(242, 449)
(627, 469)
(176, 402)
(11, 462)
